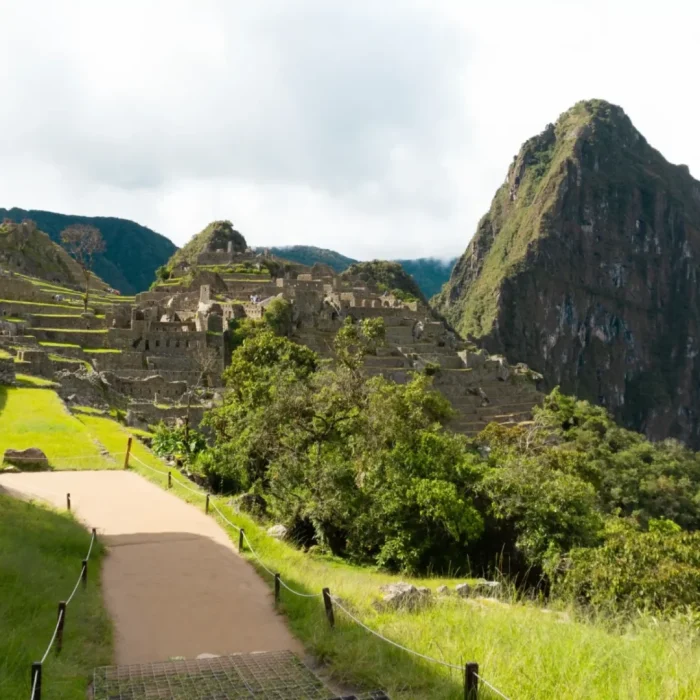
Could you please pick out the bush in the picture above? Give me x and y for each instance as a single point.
(657, 570)
(180, 443)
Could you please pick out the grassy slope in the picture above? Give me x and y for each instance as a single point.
(37, 418)
(41, 551)
(529, 654)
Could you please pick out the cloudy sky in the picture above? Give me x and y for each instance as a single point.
(380, 128)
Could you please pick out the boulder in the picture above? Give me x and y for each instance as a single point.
(279, 532)
(480, 587)
(404, 596)
(249, 503)
(443, 590)
(31, 458)
(136, 420)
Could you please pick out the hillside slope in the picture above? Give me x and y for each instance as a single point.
(26, 250)
(585, 268)
(429, 273)
(133, 252)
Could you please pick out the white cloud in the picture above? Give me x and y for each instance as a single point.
(376, 128)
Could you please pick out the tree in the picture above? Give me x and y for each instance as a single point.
(83, 243)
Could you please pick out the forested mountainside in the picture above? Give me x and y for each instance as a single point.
(133, 252)
(585, 268)
(429, 273)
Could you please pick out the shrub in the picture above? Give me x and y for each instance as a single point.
(657, 570)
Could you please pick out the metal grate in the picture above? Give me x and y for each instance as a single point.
(265, 676)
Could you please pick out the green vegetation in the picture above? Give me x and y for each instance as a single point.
(72, 330)
(365, 469)
(32, 417)
(27, 380)
(41, 551)
(429, 273)
(387, 277)
(216, 236)
(47, 344)
(102, 351)
(133, 251)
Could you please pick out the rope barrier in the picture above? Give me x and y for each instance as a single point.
(272, 573)
(158, 471)
(36, 681)
(389, 641)
(61, 614)
(233, 525)
(491, 687)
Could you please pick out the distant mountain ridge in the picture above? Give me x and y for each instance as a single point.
(133, 252)
(429, 273)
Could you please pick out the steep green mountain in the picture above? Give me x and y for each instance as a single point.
(133, 252)
(26, 250)
(386, 276)
(429, 273)
(218, 235)
(586, 268)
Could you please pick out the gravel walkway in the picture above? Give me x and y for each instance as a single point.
(173, 583)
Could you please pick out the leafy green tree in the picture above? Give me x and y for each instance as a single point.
(279, 316)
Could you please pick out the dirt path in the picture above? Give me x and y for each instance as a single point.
(173, 584)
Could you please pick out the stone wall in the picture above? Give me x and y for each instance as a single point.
(7, 372)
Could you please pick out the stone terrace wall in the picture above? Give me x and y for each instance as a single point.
(7, 372)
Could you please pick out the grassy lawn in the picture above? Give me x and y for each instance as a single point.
(4, 355)
(46, 344)
(36, 303)
(31, 417)
(103, 351)
(29, 381)
(71, 330)
(41, 551)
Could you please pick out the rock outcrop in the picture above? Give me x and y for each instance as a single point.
(29, 459)
(586, 269)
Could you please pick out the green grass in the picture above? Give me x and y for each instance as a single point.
(12, 319)
(27, 380)
(41, 551)
(4, 355)
(57, 315)
(526, 651)
(31, 417)
(71, 330)
(47, 344)
(102, 351)
(36, 303)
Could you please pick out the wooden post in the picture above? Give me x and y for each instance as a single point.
(61, 623)
(128, 452)
(240, 540)
(83, 574)
(36, 676)
(170, 480)
(206, 505)
(277, 588)
(68, 501)
(471, 681)
(329, 607)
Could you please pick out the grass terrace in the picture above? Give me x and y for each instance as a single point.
(47, 344)
(41, 551)
(33, 417)
(103, 351)
(36, 303)
(27, 380)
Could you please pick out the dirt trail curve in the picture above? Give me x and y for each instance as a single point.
(173, 584)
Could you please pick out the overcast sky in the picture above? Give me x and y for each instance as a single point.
(379, 128)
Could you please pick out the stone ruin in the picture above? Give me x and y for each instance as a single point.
(160, 354)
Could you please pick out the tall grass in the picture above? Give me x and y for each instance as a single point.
(40, 559)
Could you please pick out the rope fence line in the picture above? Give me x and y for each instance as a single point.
(57, 636)
(491, 687)
(470, 670)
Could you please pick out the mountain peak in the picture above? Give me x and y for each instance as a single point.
(585, 268)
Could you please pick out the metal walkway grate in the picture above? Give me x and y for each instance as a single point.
(276, 675)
